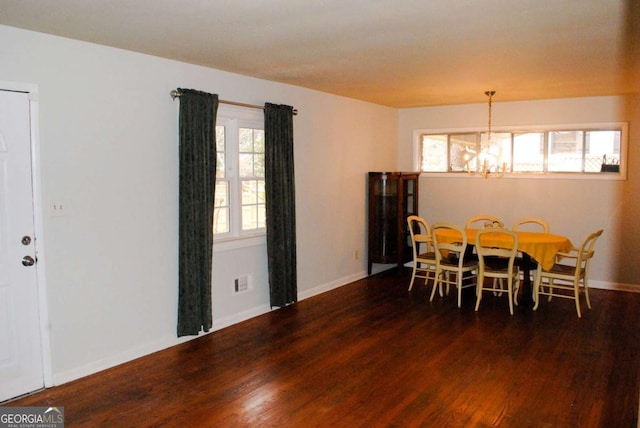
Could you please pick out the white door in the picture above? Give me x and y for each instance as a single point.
(21, 367)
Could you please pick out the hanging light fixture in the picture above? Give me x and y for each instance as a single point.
(487, 163)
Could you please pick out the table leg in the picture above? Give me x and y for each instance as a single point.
(526, 298)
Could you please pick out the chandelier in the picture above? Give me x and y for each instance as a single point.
(487, 163)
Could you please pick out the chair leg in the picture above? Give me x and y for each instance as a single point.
(433, 278)
(510, 295)
(536, 292)
(433, 290)
(459, 287)
(479, 287)
(448, 274)
(437, 283)
(586, 291)
(495, 281)
(516, 288)
(413, 276)
(576, 293)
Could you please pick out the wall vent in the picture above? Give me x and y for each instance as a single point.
(241, 284)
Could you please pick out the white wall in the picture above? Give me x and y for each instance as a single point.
(573, 207)
(109, 152)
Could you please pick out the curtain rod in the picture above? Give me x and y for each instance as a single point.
(175, 94)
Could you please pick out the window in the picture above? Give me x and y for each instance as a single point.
(251, 168)
(573, 150)
(239, 209)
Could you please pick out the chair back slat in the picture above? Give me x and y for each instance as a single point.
(424, 261)
(531, 223)
(507, 250)
(445, 249)
(420, 233)
(486, 220)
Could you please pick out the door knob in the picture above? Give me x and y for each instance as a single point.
(28, 261)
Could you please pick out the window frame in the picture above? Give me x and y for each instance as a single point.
(622, 126)
(234, 118)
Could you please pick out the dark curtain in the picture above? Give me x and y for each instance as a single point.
(280, 204)
(197, 184)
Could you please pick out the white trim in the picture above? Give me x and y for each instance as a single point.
(615, 286)
(38, 212)
(233, 243)
(323, 288)
(218, 324)
(222, 323)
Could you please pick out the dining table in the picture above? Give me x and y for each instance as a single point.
(537, 246)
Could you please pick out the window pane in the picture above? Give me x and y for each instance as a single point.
(220, 220)
(249, 193)
(249, 217)
(261, 193)
(246, 164)
(220, 165)
(463, 149)
(253, 217)
(253, 207)
(258, 165)
(495, 153)
(565, 151)
(433, 156)
(251, 157)
(220, 138)
(220, 151)
(246, 140)
(222, 194)
(258, 140)
(601, 147)
(528, 152)
(262, 216)
(221, 208)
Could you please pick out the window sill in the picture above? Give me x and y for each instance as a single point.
(234, 243)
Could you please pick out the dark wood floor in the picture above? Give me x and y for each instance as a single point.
(372, 354)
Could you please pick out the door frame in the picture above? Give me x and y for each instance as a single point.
(38, 219)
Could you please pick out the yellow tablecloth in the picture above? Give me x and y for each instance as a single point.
(542, 247)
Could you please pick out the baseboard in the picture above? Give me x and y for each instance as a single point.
(159, 345)
(150, 348)
(117, 359)
(323, 288)
(219, 324)
(617, 286)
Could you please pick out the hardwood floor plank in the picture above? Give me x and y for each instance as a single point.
(372, 354)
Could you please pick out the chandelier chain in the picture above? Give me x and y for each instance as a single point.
(490, 94)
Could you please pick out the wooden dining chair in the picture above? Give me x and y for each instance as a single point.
(485, 220)
(424, 259)
(499, 265)
(481, 222)
(529, 224)
(570, 278)
(451, 260)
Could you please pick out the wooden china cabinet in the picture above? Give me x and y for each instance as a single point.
(393, 196)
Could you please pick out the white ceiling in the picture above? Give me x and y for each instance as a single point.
(400, 53)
